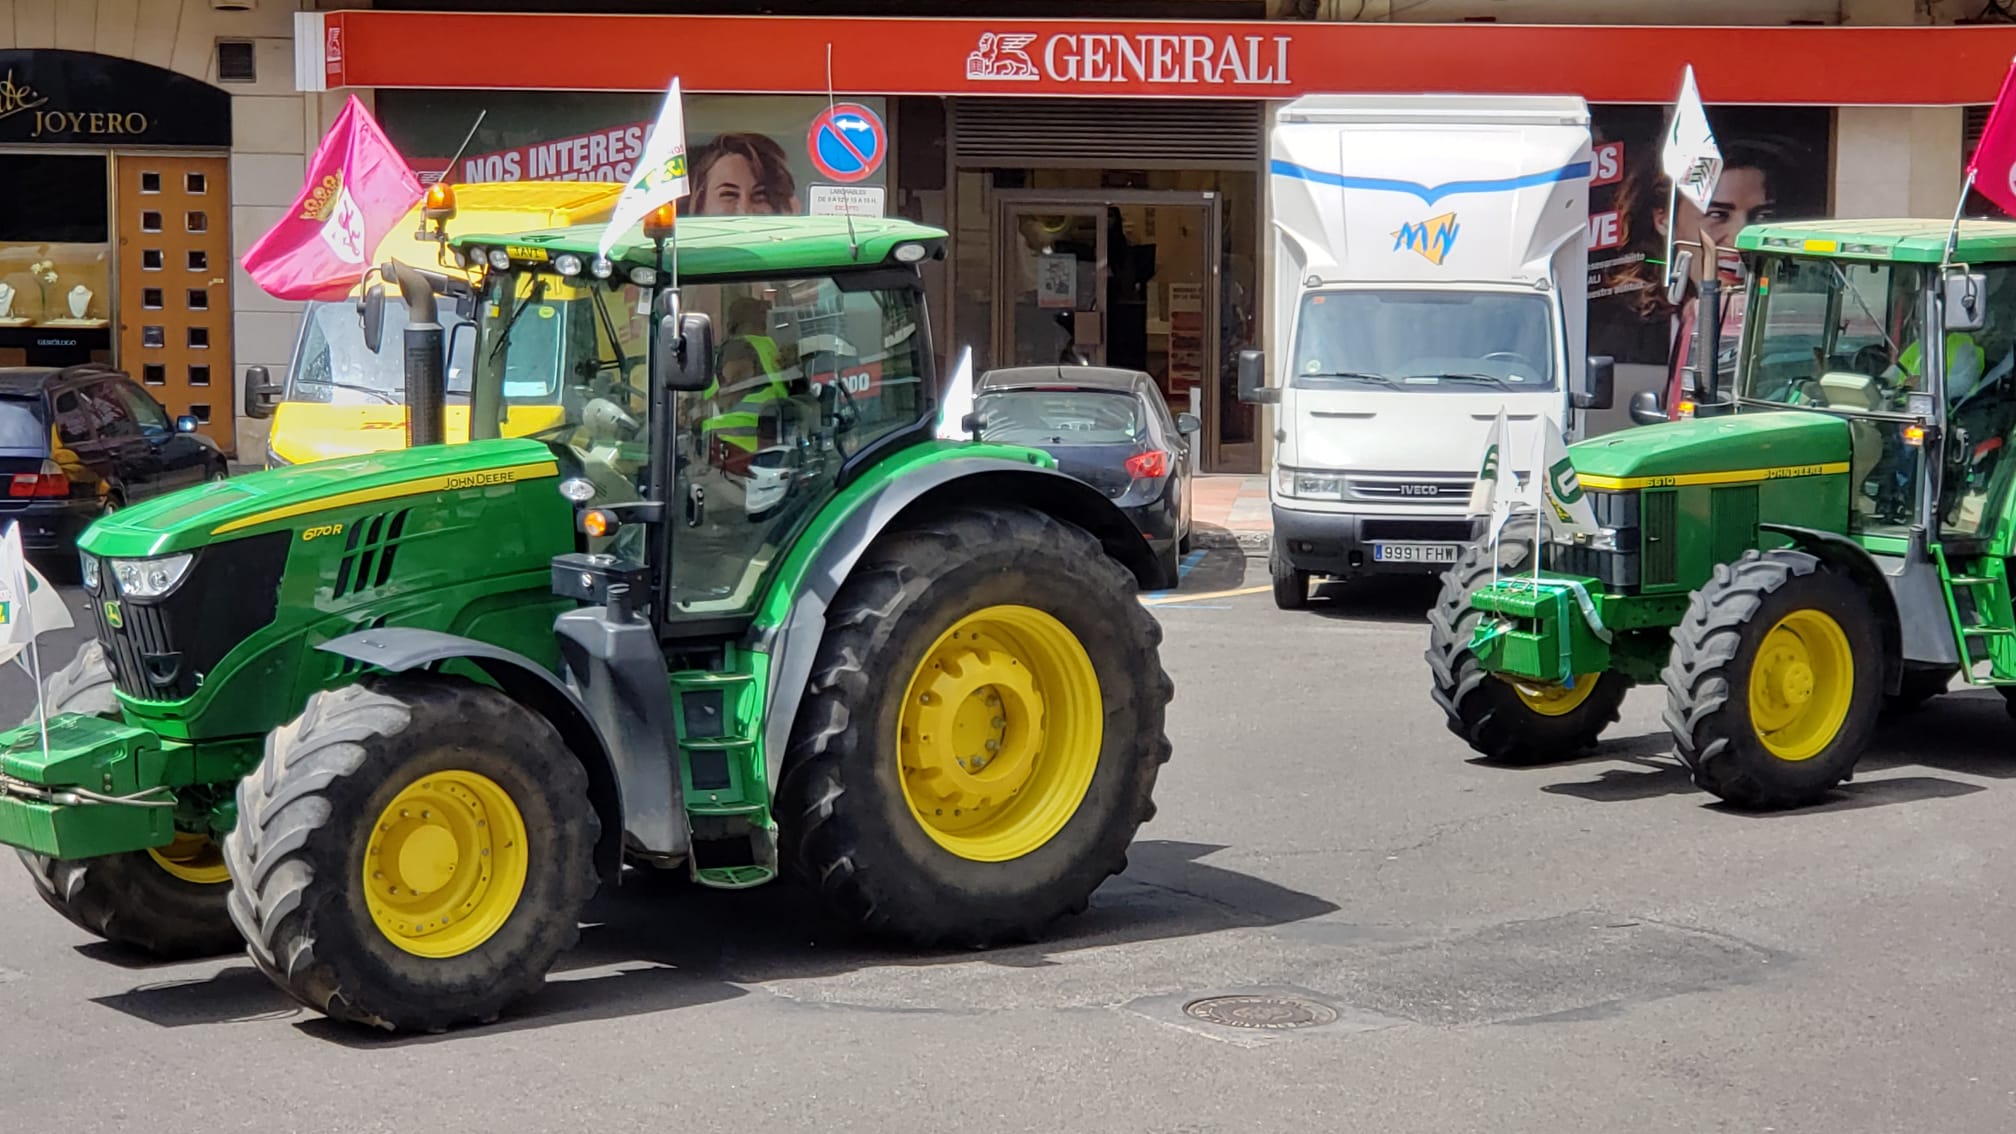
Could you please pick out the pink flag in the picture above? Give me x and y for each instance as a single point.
(1994, 166)
(357, 189)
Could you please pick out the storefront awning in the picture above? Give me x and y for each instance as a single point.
(1811, 66)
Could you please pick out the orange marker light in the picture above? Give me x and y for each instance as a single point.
(659, 221)
(1914, 435)
(1686, 409)
(440, 201)
(597, 523)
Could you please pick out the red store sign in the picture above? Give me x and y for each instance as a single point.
(1280, 59)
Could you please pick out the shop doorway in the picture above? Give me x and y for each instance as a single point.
(1127, 279)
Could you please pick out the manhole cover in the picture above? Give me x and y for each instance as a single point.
(1265, 1013)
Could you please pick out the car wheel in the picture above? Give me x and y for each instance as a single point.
(220, 472)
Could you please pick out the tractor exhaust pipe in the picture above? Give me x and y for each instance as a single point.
(426, 373)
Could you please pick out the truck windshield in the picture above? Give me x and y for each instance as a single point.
(332, 365)
(1430, 341)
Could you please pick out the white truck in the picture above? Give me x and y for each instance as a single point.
(1430, 258)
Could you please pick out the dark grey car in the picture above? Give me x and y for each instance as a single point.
(1109, 428)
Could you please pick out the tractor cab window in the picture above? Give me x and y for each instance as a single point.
(808, 373)
(572, 353)
(1980, 407)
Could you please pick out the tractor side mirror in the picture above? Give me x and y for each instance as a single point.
(1681, 275)
(1253, 388)
(1645, 409)
(1966, 301)
(685, 346)
(262, 394)
(371, 309)
(1602, 383)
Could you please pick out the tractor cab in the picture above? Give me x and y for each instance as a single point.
(1830, 533)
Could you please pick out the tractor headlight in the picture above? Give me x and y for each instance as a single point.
(567, 264)
(1309, 485)
(150, 578)
(601, 268)
(500, 259)
(1602, 539)
(644, 277)
(87, 570)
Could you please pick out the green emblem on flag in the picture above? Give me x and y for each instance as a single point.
(1561, 480)
(1489, 470)
(6, 613)
(112, 615)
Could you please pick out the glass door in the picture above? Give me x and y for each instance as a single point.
(1051, 280)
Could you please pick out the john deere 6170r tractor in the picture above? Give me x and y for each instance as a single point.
(1829, 534)
(393, 716)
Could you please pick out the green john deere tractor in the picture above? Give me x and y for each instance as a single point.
(389, 719)
(1829, 535)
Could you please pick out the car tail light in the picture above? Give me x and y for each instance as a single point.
(1149, 465)
(49, 482)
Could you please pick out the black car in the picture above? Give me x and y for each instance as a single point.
(79, 441)
(1109, 428)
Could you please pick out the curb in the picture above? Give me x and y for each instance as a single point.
(1253, 543)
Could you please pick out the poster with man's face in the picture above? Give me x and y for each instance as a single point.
(1774, 168)
(747, 153)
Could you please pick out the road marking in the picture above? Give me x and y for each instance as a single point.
(1166, 599)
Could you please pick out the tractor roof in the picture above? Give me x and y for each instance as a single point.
(736, 245)
(1914, 241)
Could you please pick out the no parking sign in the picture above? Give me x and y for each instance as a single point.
(847, 142)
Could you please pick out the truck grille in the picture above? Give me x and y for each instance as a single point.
(160, 649)
(1411, 488)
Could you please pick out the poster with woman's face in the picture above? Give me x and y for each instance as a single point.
(745, 153)
(1774, 168)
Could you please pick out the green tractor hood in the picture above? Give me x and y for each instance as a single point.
(1739, 447)
(266, 501)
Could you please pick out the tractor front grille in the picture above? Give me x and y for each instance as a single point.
(161, 649)
(1620, 570)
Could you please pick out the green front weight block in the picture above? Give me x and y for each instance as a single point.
(106, 758)
(1535, 629)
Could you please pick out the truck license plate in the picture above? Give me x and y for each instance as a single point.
(1414, 552)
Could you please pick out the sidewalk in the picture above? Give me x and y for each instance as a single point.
(1232, 510)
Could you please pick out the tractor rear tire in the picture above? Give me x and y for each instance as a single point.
(1493, 716)
(1291, 586)
(131, 899)
(875, 815)
(326, 835)
(1776, 633)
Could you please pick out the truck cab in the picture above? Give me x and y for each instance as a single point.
(1431, 252)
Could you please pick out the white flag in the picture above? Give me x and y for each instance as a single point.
(1568, 510)
(40, 612)
(1690, 157)
(1484, 493)
(958, 400)
(661, 171)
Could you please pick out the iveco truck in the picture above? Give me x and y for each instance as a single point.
(1430, 253)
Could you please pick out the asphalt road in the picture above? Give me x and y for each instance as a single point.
(1591, 946)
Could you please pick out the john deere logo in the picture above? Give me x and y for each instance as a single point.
(112, 616)
(1432, 238)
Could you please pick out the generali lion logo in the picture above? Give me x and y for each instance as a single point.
(1002, 57)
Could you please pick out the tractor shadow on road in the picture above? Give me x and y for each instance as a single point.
(1970, 734)
(660, 944)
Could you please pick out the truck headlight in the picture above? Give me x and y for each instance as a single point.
(1309, 485)
(150, 578)
(87, 570)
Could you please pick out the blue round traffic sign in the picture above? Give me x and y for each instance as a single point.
(847, 142)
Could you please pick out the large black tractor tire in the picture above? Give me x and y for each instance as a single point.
(408, 780)
(1291, 586)
(1493, 716)
(915, 614)
(132, 899)
(1775, 680)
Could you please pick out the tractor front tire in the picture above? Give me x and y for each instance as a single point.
(1503, 722)
(981, 733)
(358, 834)
(168, 903)
(1775, 680)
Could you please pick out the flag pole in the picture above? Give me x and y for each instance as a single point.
(41, 710)
(1672, 225)
(1953, 233)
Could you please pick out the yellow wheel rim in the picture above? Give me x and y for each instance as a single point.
(1801, 683)
(192, 858)
(999, 734)
(1556, 700)
(446, 864)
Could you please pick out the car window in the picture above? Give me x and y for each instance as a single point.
(143, 409)
(109, 412)
(21, 424)
(1060, 417)
(73, 418)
